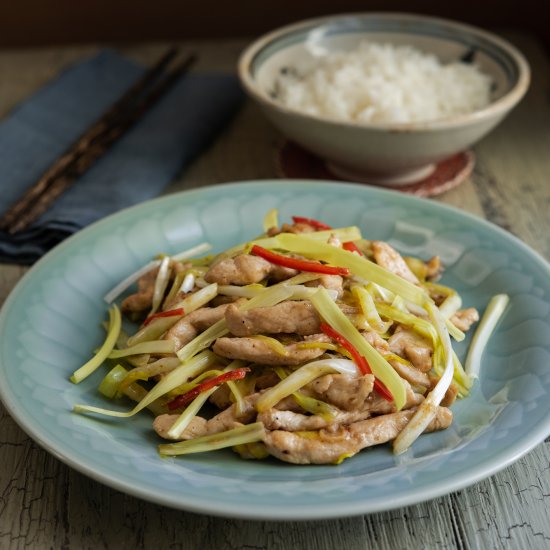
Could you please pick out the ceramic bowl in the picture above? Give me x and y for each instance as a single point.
(387, 154)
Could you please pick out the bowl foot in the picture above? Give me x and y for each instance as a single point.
(294, 162)
(404, 178)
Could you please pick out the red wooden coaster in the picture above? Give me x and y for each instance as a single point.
(295, 162)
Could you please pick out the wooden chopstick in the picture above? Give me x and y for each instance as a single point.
(95, 141)
(85, 140)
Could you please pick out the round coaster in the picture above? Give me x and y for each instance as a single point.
(295, 162)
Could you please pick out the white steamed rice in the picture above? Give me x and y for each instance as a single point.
(382, 83)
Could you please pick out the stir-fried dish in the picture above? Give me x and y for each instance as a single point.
(307, 344)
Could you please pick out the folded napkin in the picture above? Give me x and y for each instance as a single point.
(136, 168)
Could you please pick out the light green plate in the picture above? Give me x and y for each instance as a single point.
(50, 325)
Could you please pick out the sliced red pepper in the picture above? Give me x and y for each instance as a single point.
(358, 359)
(295, 263)
(185, 398)
(350, 246)
(169, 313)
(310, 221)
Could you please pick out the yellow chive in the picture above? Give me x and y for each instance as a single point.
(342, 457)
(317, 345)
(115, 323)
(273, 344)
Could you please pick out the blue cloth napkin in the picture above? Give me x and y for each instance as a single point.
(136, 168)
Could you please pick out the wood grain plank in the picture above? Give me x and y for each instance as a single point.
(55, 506)
(9, 275)
(512, 175)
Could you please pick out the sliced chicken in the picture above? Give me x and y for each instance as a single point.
(412, 375)
(289, 404)
(230, 417)
(297, 317)
(411, 345)
(221, 398)
(275, 419)
(292, 420)
(465, 318)
(136, 305)
(191, 325)
(245, 270)
(387, 257)
(259, 351)
(164, 422)
(267, 379)
(420, 357)
(434, 268)
(295, 228)
(342, 390)
(225, 420)
(330, 282)
(332, 445)
(376, 404)
(376, 341)
(450, 395)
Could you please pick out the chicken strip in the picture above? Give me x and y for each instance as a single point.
(376, 341)
(345, 391)
(288, 317)
(245, 270)
(221, 398)
(376, 404)
(387, 257)
(434, 268)
(463, 319)
(413, 376)
(330, 446)
(225, 420)
(191, 325)
(136, 305)
(330, 282)
(164, 422)
(291, 420)
(232, 418)
(409, 344)
(450, 395)
(295, 228)
(259, 351)
(298, 317)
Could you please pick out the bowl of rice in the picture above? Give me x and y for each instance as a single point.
(380, 97)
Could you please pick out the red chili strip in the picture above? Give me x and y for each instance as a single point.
(358, 359)
(169, 313)
(350, 246)
(183, 399)
(296, 263)
(310, 221)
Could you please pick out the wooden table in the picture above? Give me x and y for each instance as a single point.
(45, 504)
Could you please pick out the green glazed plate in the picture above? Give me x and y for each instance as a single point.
(51, 323)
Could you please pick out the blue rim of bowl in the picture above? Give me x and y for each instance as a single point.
(509, 58)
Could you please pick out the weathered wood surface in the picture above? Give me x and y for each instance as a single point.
(45, 504)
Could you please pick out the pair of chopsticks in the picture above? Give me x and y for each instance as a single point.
(95, 141)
